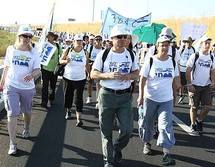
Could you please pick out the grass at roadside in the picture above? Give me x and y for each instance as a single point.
(6, 39)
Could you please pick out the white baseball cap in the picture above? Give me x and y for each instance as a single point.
(24, 29)
(78, 37)
(120, 29)
(163, 39)
(204, 38)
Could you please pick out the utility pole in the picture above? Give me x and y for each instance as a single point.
(93, 14)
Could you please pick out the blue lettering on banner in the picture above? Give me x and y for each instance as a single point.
(46, 51)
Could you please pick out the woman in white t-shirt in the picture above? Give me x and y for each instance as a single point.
(156, 99)
(77, 66)
(21, 66)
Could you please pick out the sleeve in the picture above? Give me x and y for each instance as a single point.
(177, 56)
(98, 64)
(8, 55)
(191, 60)
(36, 63)
(145, 69)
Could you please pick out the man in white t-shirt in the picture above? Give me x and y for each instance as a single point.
(158, 76)
(93, 50)
(185, 52)
(200, 75)
(115, 74)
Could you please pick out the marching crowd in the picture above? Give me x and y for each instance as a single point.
(163, 70)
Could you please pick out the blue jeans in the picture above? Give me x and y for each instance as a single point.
(150, 112)
(111, 105)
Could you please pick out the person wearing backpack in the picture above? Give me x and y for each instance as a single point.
(74, 78)
(115, 68)
(158, 76)
(200, 75)
(93, 50)
(186, 51)
(48, 76)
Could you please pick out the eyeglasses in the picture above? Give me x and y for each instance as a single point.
(121, 36)
(26, 36)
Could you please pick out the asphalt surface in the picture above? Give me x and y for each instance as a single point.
(55, 142)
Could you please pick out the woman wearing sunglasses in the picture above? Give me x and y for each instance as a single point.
(21, 66)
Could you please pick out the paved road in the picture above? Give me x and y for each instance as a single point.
(55, 142)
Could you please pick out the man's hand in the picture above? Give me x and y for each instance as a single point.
(140, 101)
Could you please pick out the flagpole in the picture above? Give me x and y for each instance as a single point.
(93, 11)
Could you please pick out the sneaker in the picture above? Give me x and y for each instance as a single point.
(147, 149)
(168, 160)
(12, 149)
(25, 134)
(193, 130)
(79, 124)
(88, 100)
(107, 164)
(199, 126)
(117, 155)
(180, 101)
(68, 115)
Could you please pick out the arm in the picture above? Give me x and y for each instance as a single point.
(33, 75)
(213, 78)
(87, 66)
(141, 91)
(188, 78)
(64, 57)
(4, 74)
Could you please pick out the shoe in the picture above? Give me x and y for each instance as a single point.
(107, 164)
(25, 134)
(79, 124)
(180, 101)
(88, 100)
(199, 126)
(68, 115)
(117, 155)
(168, 160)
(97, 106)
(147, 149)
(193, 130)
(12, 149)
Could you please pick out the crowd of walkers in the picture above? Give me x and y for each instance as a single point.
(163, 70)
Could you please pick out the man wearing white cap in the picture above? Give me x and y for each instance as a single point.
(158, 76)
(200, 75)
(115, 72)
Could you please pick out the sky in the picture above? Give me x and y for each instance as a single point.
(37, 11)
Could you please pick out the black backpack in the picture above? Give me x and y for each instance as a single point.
(105, 54)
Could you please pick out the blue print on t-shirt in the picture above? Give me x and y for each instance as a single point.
(164, 73)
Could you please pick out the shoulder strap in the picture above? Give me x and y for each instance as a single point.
(194, 64)
(212, 58)
(173, 62)
(91, 49)
(104, 57)
(150, 64)
(193, 49)
(155, 51)
(131, 54)
(173, 52)
(58, 47)
(182, 50)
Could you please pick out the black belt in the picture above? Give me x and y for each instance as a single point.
(128, 90)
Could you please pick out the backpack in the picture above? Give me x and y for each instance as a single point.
(184, 49)
(151, 62)
(105, 54)
(196, 58)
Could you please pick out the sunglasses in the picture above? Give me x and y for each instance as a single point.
(98, 39)
(121, 36)
(26, 36)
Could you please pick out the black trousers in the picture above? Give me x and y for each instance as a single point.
(48, 78)
(72, 88)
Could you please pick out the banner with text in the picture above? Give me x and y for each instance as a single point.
(47, 52)
(112, 18)
(192, 30)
